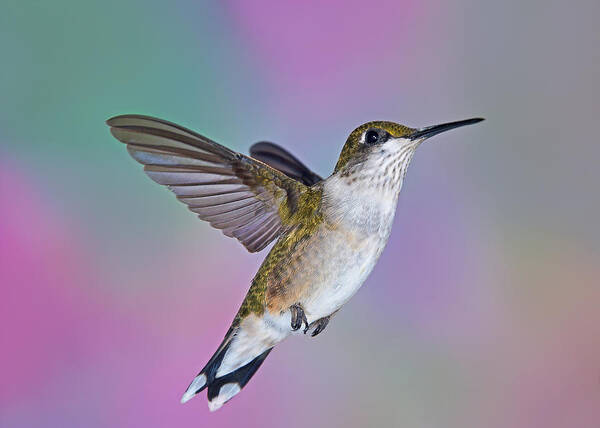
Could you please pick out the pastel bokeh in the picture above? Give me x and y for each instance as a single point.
(483, 309)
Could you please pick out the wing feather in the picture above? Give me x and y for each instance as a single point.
(235, 193)
(282, 160)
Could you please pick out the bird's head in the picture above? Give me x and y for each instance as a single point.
(384, 149)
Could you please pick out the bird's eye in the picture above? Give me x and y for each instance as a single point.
(371, 137)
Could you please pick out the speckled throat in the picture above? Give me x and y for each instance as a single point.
(384, 168)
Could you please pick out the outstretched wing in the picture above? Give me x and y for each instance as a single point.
(282, 160)
(243, 197)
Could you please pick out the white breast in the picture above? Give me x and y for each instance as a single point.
(362, 222)
(359, 204)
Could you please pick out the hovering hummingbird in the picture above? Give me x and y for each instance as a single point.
(329, 232)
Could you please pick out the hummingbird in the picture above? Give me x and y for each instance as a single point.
(328, 233)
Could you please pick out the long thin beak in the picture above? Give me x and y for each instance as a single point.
(430, 131)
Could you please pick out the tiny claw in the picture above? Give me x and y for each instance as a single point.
(320, 325)
(298, 317)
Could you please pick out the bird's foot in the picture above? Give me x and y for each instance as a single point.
(298, 317)
(317, 326)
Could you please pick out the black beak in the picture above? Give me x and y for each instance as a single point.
(430, 131)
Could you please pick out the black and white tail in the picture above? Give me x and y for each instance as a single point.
(223, 386)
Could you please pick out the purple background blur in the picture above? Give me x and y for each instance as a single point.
(484, 308)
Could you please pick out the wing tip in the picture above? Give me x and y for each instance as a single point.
(113, 120)
(114, 130)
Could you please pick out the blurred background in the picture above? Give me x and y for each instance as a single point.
(483, 309)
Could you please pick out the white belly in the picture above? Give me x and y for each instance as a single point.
(364, 220)
(351, 266)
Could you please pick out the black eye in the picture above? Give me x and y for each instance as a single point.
(371, 137)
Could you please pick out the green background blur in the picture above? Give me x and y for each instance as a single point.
(482, 311)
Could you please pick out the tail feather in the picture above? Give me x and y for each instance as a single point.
(207, 374)
(222, 389)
